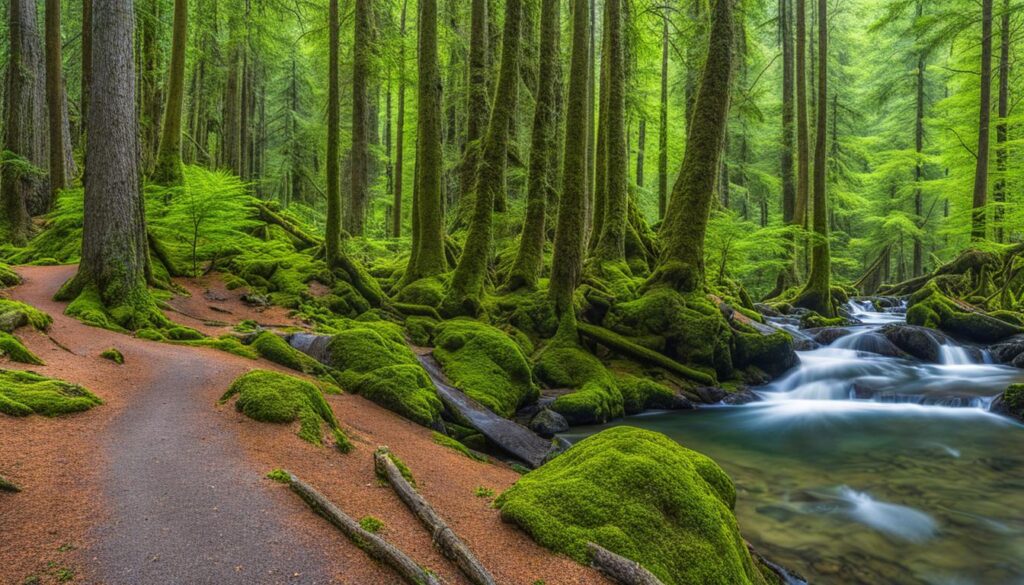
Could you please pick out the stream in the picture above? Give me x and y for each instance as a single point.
(862, 468)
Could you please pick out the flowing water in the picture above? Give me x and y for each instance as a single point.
(860, 468)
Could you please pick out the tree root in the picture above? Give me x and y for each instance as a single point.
(619, 568)
(443, 536)
(371, 544)
(618, 343)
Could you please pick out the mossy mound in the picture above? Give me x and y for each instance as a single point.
(772, 354)
(640, 394)
(530, 311)
(273, 348)
(8, 277)
(14, 314)
(86, 305)
(486, 364)
(405, 389)
(687, 328)
(455, 445)
(16, 351)
(1010, 402)
(25, 393)
(426, 291)
(279, 398)
(931, 307)
(113, 355)
(643, 496)
(564, 364)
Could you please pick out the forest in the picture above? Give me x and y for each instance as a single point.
(677, 292)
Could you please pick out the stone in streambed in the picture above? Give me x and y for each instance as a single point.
(1010, 403)
(548, 423)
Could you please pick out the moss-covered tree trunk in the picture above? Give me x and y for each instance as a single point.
(787, 276)
(396, 209)
(113, 269)
(600, 186)
(663, 122)
(168, 169)
(359, 161)
(1002, 126)
(149, 79)
(477, 98)
(682, 260)
(468, 280)
(543, 156)
(817, 294)
(611, 245)
(567, 261)
(918, 254)
(333, 163)
(980, 200)
(803, 156)
(55, 99)
(86, 78)
(428, 205)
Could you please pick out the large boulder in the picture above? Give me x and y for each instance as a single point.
(1010, 403)
(548, 423)
(643, 496)
(920, 342)
(1009, 351)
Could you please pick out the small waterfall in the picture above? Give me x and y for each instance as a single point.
(955, 355)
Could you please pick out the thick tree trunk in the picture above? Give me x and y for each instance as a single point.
(600, 197)
(477, 101)
(359, 194)
(230, 133)
(168, 163)
(788, 113)
(396, 209)
(567, 261)
(428, 206)
(468, 280)
(22, 193)
(663, 123)
(530, 258)
(55, 100)
(611, 246)
(802, 140)
(817, 295)
(86, 64)
(1002, 128)
(978, 231)
(150, 79)
(682, 260)
(333, 229)
(641, 145)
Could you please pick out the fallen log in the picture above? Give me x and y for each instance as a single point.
(371, 544)
(268, 215)
(616, 342)
(443, 536)
(619, 568)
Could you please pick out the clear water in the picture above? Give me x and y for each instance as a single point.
(859, 468)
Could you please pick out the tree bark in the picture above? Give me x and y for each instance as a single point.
(396, 208)
(543, 157)
(788, 113)
(477, 100)
(663, 123)
(55, 100)
(802, 140)
(978, 231)
(468, 280)
(682, 259)
(1002, 127)
(86, 63)
(333, 229)
(359, 161)
(567, 260)
(918, 262)
(168, 169)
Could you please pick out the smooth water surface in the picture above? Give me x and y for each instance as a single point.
(858, 468)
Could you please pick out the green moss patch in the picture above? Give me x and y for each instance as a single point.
(16, 351)
(280, 476)
(278, 398)
(564, 364)
(405, 389)
(272, 347)
(446, 441)
(640, 394)
(113, 355)
(14, 314)
(930, 307)
(25, 393)
(8, 486)
(371, 524)
(486, 364)
(643, 496)
(7, 276)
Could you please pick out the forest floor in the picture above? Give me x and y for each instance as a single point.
(162, 485)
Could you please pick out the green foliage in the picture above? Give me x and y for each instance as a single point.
(113, 355)
(280, 476)
(8, 486)
(25, 393)
(278, 398)
(643, 496)
(483, 492)
(930, 307)
(371, 524)
(446, 441)
(486, 364)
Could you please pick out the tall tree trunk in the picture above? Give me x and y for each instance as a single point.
(428, 206)
(478, 96)
(695, 54)
(396, 208)
(150, 79)
(567, 260)
(530, 258)
(641, 144)
(601, 145)
(918, 263)
(22, 193)
(55, 100)
(803, 156)
(984, 122)
(663, 122)
(468, 280)
(359, 161)
(230, 131)
(591, 127)
(86, 64)
(611, 246)
(168, 163)
(681, 265)
(114, 263)
(817, 295)
(333, 229)
(1002, 128)
(788, 113)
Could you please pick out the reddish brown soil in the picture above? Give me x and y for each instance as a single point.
(84, 509)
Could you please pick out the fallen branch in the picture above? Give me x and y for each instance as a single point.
(443, 536)
(619, 568)
(371, 544)
(269, 216)
(618, 343)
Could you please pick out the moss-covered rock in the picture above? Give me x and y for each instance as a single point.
(930, 307)
(14, 314)
(529, 311)
(8, 277)
(640, 394)
(564, 364)
(405, 389)
(25, 393)
(426, 291)
(114, 355)
(366, 346)
(279, 398)
(453, 444)
(273, 348)
(643, 496)
(773, 354)
(1010, 402)
(486, 364)
(421, 330)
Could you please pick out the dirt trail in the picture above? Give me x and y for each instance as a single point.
(160, 485)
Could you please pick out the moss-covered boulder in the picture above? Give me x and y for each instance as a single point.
(8, 277)
(14, 314)
(642, 393)
(1010, 403)
(427, 292)
(486, 364)
(773, 354)
(641, 495)
(405, 389)
(279, 398)
(25, 393)
(272, 347)
(931, 307)
(596, 398)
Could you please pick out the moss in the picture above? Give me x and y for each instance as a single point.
(640, 394)
(368, 346)
(402, 467)
(404, 389)
(15, 351)
(643, 496)
(150, 334)
(278, 398)
(814, 320)
(371, 524)
(564, 364)
(7, 486)
(529, 311)
(486, 364)
(421, 330)
(8, 277)
(425, 291)
(136, 310)
(25, 393)
(446, 441)
(483, 492)
(280, 476)
(272, 347)
(930, 307)
(113, 355)
(182, 334)
(224, 343)
(773, 353)
(14, 314)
